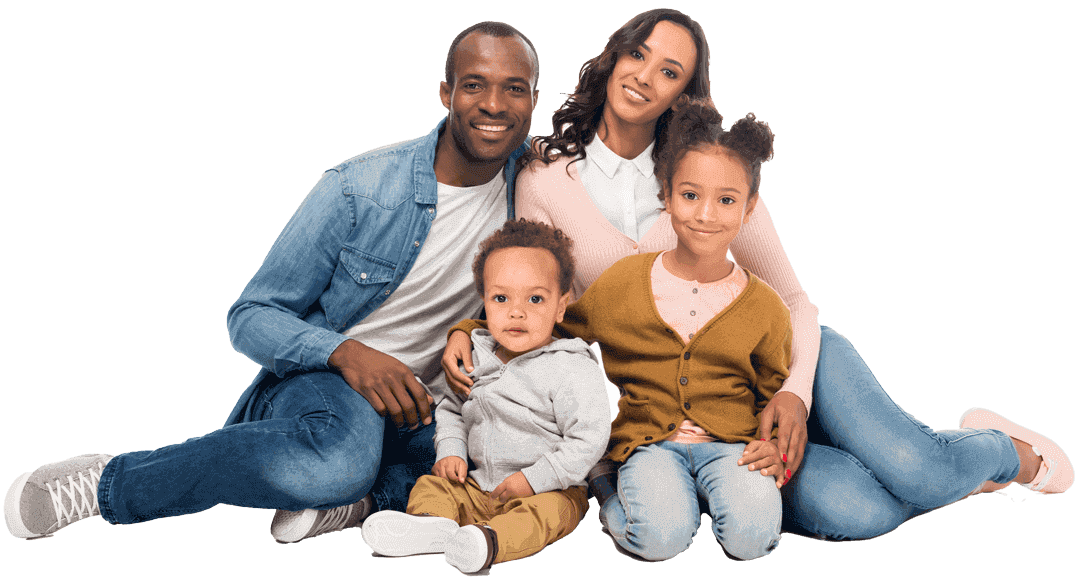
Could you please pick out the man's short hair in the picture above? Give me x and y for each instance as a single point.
(498, 30)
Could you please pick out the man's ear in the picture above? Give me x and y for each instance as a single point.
(536, 98)
(444, 94)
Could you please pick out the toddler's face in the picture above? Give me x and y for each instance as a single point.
(709, 201)
(522, 298)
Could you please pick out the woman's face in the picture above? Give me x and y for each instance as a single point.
(647, 80)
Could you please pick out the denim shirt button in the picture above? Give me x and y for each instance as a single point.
(416, 243)
(431, 211)
(363, 275)
(387, 292)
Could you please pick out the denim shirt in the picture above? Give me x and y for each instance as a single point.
(349, 245)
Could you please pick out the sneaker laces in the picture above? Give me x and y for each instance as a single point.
(83, 495)
(333, 520)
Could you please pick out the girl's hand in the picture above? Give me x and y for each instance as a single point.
(764, 456)
(451, 469)
(458, 350)
(789, 414)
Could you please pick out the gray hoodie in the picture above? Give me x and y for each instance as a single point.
(545, 413)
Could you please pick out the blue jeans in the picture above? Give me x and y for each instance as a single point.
(310, 441)
(658, 505)
(870, 466)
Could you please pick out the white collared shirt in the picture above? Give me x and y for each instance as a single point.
(625, 191)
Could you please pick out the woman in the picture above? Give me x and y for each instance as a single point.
(869, 466)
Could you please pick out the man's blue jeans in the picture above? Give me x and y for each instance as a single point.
(310, 441)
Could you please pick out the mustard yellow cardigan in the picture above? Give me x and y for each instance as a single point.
(721, 380)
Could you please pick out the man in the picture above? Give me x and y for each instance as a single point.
(346, 316)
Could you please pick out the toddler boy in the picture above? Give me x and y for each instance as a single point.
(534, 423)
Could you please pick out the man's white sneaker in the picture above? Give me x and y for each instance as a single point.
(54, 496)
(293, 526)
(392, 533)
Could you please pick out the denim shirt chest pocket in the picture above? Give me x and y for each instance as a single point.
(357, 282)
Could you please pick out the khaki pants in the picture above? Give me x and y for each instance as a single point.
(523, 525)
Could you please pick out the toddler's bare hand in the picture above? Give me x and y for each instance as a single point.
(451, 469)
(512, 487)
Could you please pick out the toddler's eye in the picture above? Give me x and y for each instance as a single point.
(498, 298)
(536, 299)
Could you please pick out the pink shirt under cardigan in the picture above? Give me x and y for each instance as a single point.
(553, 194)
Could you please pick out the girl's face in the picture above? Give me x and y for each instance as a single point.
(709, 201)
(646, 81)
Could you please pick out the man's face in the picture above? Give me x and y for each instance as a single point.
(492, 98)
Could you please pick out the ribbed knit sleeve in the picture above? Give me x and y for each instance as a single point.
(758, 248)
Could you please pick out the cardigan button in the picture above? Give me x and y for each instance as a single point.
(686, 356)
(626, 449)
(686, 405)
(669, 427)
(648, 438)
(683, 380)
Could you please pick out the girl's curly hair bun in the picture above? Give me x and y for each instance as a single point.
(697, 125)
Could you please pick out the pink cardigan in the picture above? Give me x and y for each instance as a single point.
(548, 194)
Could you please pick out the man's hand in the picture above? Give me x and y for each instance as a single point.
(512, 487)
(789, 414)
(451, 469)
(458, 350)
(384, 381)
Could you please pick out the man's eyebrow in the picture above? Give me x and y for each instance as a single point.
(672, 61)
(479, 77)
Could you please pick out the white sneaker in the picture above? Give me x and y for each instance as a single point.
(54, 496)
(472, 548)
(292, 526)
(392, 533)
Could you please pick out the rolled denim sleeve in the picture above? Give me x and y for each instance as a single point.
(267, 323)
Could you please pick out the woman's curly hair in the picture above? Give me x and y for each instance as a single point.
(574, 124)
(531, 235)
(698, 126)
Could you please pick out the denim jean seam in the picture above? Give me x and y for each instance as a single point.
(108, 476)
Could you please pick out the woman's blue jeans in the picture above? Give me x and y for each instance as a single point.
(878, 465)
(870, 466)
(309, 441)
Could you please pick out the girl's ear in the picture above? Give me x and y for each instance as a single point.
(750, 205)
(667, 199)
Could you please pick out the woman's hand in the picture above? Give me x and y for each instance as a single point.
(789, 413)
(764, 456)
(451, 469)
(458, 351)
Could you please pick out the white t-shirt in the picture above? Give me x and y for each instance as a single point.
(438, 292)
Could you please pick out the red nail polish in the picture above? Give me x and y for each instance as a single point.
(787, 473)
(783, 458)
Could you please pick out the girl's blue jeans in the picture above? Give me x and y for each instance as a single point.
(309, 441)
(869, 466)
(663, 488)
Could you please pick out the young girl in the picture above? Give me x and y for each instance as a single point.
(698, 347)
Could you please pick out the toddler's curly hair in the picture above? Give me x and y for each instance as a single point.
(532, 235)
